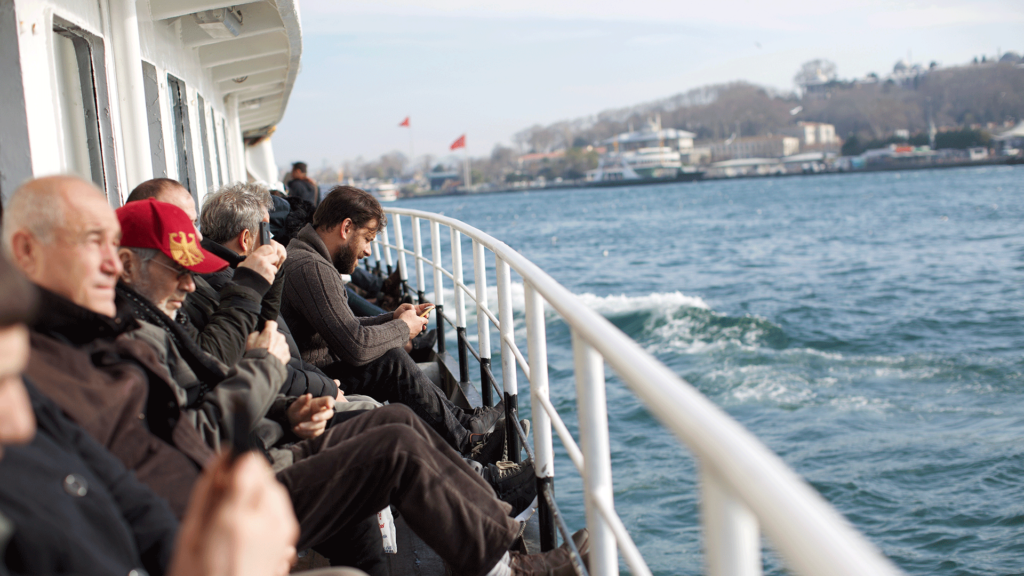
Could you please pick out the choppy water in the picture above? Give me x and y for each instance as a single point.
(868, 328)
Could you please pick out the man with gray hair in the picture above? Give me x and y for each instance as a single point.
(221, 330)
(232, 217)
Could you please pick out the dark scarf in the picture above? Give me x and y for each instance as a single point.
(67, 322)
(206, 368)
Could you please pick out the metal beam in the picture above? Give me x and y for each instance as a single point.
(253, 81)
(239, 49)
(164, 9)
(250, 66)
(275, 90)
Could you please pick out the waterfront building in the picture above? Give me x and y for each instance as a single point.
(754, 147)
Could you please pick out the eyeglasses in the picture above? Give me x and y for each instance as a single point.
(180, 271)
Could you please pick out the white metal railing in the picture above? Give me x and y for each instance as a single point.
(746, 489)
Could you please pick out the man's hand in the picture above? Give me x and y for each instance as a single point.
(341, 393)
(308, 416)
(408, 314)
(272, 340)
(282, 253)
(239, 522)
(264, 261)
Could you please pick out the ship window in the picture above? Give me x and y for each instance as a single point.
(86, 135)
(227, 148)
(151, 87)
(204, 135)
(182, 135)
(216, 149)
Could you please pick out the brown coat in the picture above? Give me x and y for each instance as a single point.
(119, 392)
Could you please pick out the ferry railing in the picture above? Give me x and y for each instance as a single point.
(746, 490)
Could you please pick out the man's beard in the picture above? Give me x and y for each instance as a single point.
(344, 260)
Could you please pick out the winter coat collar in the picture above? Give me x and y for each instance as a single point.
(233, 258)
(64, 320)
(205, 366)
(313, 242)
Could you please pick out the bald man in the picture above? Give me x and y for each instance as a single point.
(64, 237)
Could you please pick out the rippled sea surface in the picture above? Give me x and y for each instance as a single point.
(867, 328)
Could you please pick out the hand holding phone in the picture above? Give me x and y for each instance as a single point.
(264, 234)
(426, 312)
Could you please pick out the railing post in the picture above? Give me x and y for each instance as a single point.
(597, 462)
(403, 272)
(732, 542)
(435, 247)
(460, 306)
(543, 450)
(483, 323)
(376, 256)
(417, 248)
(387, 251)
(507, 330)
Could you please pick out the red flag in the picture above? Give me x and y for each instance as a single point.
(460, 143)
(405, 122)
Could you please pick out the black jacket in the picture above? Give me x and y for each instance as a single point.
(302, 377)
(221, 318)
(304, 189)
(74, 507)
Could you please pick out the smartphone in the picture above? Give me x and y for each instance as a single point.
(264, 234)
(426, 312)
(241, 424)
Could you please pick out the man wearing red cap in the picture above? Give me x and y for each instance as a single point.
(64, 237)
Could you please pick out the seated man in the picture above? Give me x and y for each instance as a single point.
(218, 316)
(366, 354)
(221, 328)
(74, 509)
(64, 237)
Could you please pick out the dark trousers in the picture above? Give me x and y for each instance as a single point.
(396, 378)
(388, 456)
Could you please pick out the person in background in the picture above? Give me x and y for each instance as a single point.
(299, 185)
(69, 506)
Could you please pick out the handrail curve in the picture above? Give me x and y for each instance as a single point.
(809, 534)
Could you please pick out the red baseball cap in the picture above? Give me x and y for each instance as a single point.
(165, 227)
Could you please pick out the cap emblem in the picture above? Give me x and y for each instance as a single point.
(185, 249)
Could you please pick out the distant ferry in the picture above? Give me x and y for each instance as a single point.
(652, 154)
(382, 191)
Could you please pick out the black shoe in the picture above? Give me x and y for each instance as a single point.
(484, 421)
(557, 562)
(515, 484)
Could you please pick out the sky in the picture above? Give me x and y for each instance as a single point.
(489, 69)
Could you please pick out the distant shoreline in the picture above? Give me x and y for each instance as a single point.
(625, 183)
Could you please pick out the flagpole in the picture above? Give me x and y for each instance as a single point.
(465, 156)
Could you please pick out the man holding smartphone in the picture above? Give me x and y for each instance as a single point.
(366, 354)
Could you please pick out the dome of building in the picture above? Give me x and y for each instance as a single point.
(1011, 57)
(900, 66)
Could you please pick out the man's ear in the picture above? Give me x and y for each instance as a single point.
(346, 228)
(25, 252)
(245, 240)
(127, 264)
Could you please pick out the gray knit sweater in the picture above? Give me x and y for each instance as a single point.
(314, 303)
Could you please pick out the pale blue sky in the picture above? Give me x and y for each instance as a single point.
(489, 69)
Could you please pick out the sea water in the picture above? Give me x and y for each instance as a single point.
(866, 327)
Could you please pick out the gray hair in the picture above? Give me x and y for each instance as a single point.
(143, 254)
(41, 212)
(234, 208)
